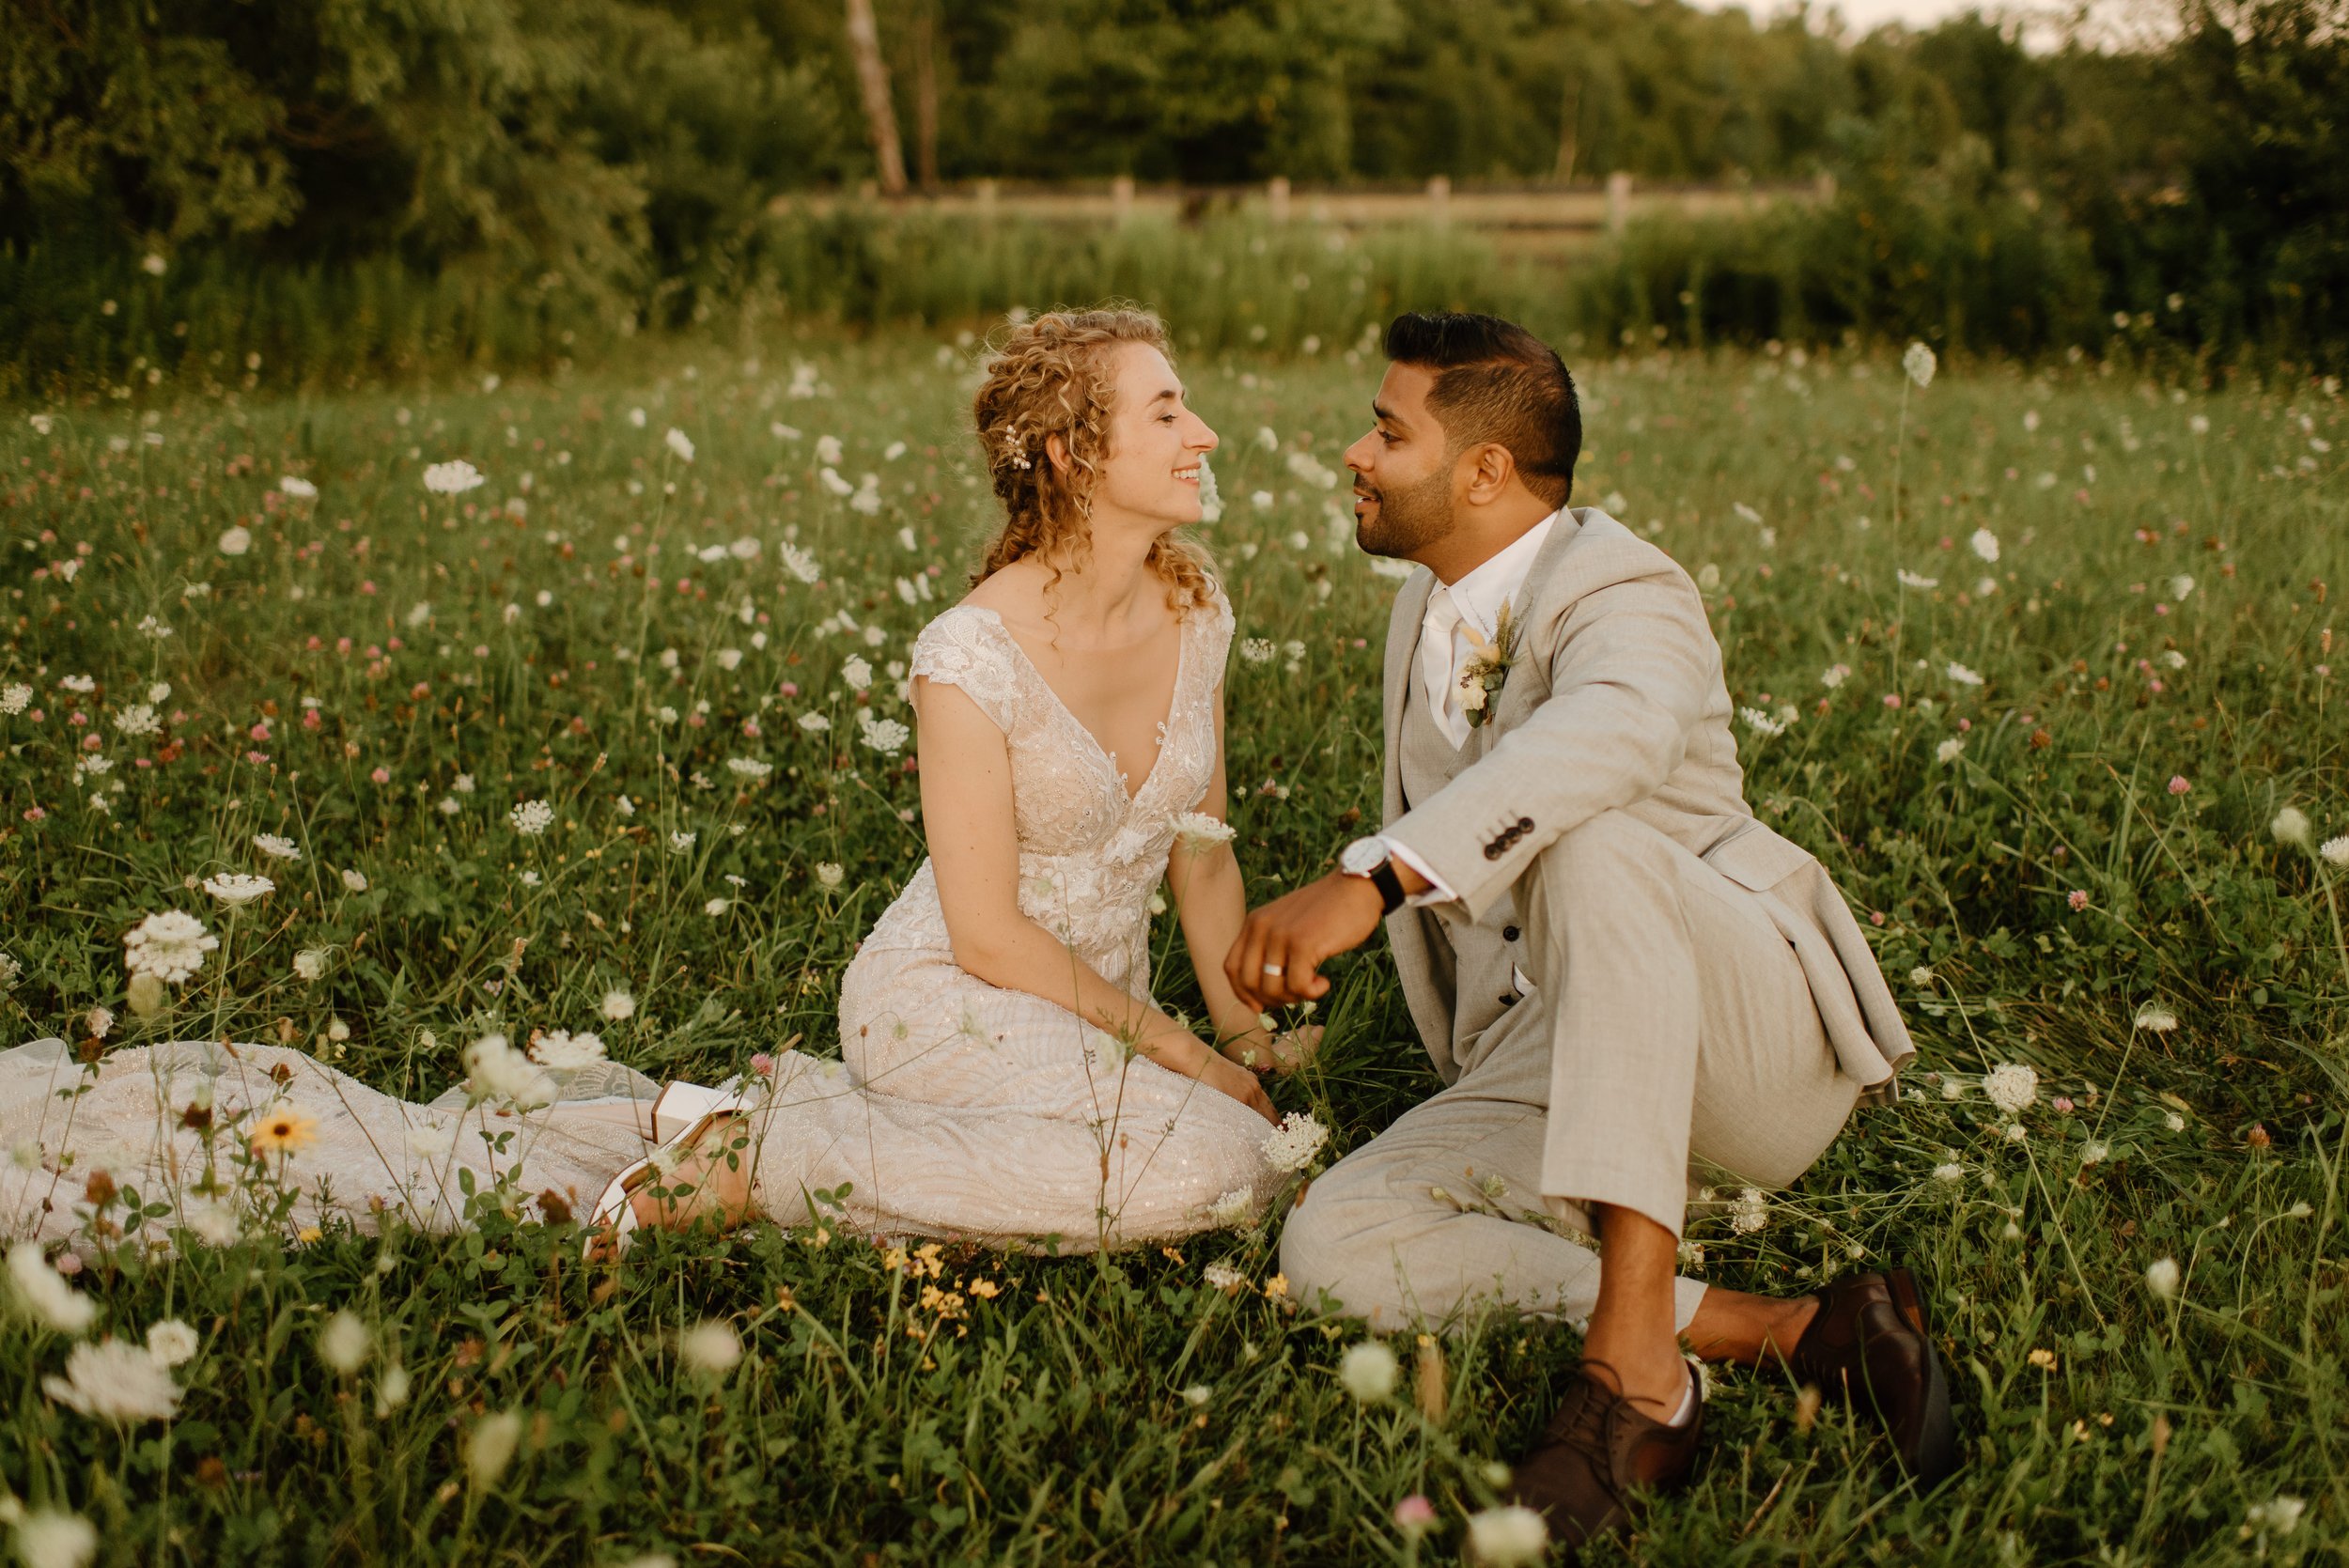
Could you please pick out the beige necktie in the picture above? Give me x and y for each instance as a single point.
(1435, 665)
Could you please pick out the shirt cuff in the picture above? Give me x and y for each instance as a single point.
(1437, 890)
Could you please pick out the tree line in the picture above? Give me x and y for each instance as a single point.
(628, 151)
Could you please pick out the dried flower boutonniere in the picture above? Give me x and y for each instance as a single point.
(1488, 669)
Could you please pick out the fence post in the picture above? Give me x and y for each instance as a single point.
(1277, 199)
(1122, 199)
(987, 189)
(1618, 201)
(1439, 200)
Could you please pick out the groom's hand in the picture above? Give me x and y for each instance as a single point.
(1283, 944)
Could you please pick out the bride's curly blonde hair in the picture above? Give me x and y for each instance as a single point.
(1050, 377)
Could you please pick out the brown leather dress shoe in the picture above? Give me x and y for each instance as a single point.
(1595, 1451)
(1870, 1345)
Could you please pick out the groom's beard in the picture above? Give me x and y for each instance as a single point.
(1407, 520)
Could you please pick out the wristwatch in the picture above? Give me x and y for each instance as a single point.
(1367, 858)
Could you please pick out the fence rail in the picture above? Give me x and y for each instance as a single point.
(1529, 214)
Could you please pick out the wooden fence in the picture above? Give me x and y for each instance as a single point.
(1516, 217)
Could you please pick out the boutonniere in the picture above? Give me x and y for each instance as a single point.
(1488, 669)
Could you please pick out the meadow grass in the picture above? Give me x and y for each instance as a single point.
(2050, 782)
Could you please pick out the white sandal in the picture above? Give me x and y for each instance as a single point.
(613, 1215)
(679, 1105)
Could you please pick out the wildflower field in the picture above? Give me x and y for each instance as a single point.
(574, 706)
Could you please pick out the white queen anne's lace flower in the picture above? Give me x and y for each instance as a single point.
(1369, 1372)
(2278, 1516)
(215, 1224)
(531, 818)
(46, 1538)
(432, 1140)
(1920, 363)
(886, 735)
(503, 1073)
(172, 1341)
(1751, 1211)
(1512, 1536)
(1234, 1209)
(800, 564)
(236, 888)
(344, 1342)
(170, 946)
(710, 1347)
(116, 1381)
(563, 1049)
(1293, 1144)
(44, 1292)
(2011, 1086)
(453, 477)
(1199, 831)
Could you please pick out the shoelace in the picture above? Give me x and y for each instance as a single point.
(1586, 1433)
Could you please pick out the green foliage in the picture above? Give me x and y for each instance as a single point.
(477, 182)
(1052, 1423)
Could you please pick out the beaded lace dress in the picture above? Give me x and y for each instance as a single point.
(958, 1109)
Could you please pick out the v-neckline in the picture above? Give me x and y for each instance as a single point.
(1109, 759)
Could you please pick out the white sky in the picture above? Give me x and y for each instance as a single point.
(2113, 20)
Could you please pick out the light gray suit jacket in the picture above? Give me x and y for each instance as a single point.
(1616, 701)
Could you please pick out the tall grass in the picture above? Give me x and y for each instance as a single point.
(1121, 1408)
(1956, 259)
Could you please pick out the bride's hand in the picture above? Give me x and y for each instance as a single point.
(1220, 1072)
(1284, 1052)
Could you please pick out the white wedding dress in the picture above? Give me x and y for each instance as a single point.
(959, 1110)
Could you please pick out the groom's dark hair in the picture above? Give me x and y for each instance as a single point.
(1496, 381)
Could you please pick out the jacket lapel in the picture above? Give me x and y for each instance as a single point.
(1403, 626)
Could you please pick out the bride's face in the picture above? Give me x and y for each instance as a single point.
(1151, 470)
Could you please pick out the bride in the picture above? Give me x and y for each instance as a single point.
(1005, 1077)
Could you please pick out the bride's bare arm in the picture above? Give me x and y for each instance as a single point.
(1213, 903)
(974, 852)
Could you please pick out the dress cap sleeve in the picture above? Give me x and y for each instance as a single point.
(968, 649)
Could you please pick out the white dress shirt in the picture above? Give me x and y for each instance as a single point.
(1475, 599)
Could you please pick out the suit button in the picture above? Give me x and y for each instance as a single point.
(1492, 851)
(1525, 823)
(1508, 933)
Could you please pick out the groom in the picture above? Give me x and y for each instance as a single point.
(1628, 983)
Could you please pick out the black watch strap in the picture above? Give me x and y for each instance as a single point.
(1390, 886)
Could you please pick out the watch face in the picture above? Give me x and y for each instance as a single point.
(1362, 857)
